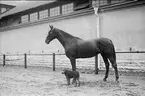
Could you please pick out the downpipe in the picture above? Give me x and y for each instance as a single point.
(98, 29)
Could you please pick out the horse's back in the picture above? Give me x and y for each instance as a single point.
(104, 40)
(101, 43)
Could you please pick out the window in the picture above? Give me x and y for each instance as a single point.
(99, 2)
(43, 14)
(24, 19)
(95, 3)
(103, 2)
(67, 8)
(34, 16)
(55, 11)
(117, 1)
(3, 10)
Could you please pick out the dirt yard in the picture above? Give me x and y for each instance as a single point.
(38, 81)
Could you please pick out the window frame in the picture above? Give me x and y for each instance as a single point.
(25, 18)
(33, 16)
(42, 14)
(54, 11)
(67, 8)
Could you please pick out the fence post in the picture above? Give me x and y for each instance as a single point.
(96, 65)
(4, 59)
(25, 60)
(53, 61)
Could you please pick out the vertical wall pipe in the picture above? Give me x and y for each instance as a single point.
(98, 35)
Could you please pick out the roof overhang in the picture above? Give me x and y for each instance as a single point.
(25, 6)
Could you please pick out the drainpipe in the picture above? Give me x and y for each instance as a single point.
(98, 28)
(97, 20)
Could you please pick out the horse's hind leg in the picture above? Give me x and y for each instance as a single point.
(114, 65)
(107, 67)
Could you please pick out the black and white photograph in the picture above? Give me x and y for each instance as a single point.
(72, 47)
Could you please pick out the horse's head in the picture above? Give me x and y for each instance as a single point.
(51, 35)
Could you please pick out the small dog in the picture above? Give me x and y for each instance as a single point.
(72, 74)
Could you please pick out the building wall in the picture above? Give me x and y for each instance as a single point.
(125, 27)
(32, 38)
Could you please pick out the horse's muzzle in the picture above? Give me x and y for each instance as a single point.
(47, 41)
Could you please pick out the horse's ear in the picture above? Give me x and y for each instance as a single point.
(51, 27)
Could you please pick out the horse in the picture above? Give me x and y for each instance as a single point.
(76, 47)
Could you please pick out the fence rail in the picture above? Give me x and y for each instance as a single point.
(130, 52)
(28, 58)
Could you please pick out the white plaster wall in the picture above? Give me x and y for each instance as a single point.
(32, 38)
(126, 27)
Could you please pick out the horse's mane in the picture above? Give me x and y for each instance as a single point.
(66, 34)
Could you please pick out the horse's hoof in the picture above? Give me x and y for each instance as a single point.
(105, 79)
(117, 81)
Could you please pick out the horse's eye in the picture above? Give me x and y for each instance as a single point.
(50, 32)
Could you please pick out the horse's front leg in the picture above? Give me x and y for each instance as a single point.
(73, 63)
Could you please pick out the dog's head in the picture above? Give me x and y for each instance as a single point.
(64, 71)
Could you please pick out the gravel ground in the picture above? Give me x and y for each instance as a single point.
(40, 81)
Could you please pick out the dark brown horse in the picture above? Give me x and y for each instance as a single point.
(78, 48)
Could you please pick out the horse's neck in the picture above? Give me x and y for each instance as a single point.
(64, 38)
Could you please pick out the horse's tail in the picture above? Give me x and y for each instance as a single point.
(114, 53)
